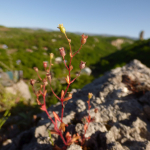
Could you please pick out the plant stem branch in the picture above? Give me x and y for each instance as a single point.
(39, 76)
(77, 51)
(65, 64)
(75, 77)
(55, 94)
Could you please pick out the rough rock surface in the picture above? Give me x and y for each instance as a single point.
(20, 87)
(121, 123)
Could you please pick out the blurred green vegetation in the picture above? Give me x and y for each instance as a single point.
(18, 40)
(4, 118)
(22, 39)
(138, 50)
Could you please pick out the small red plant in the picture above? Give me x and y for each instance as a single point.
(63, 98)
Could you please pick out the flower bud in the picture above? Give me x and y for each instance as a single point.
(36, 69)
(70, 54)
(62, 51)
(45, 82)
(32, 81)
(69, 40)
(67, 79)
(49, 76)
(51, 56)
(71, 67)
(62, 29)
(82, 65)
(90, 95)
(62, 94)
(69, 94)
(96, 110)
(44, 64)
(83, 39)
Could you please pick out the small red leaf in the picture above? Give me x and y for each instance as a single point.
(87, 119)
(53, 132)
(71, 67)
(66, 99)
(88, 102)
(62, 126)
(45, 92)
(43, 107)
(38, 102)
(85, 127)
(68, 136)
(75, 138)
(56, 116)
(62, 94)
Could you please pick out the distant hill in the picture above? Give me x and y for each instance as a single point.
(138, 50)
(108, 35)
(27, 45)
(31, 47)
(78, 33)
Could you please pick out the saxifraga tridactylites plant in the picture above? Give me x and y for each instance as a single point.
(76, 138)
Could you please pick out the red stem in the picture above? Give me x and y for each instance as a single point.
(77, 51)
(50, 65)
(88, 121)
(65, 64)
(39, 76)
(88, 106)
(55, 94)
(66, 90)
(62, 109)
(45, 106)
(63, 138)
(33, 90)
(75, 77)
(69, 43)
(70, 48)
(60, 133)
(85, 133)
(69, 68)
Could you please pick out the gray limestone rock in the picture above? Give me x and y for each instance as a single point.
(122, 120)
(74, 147)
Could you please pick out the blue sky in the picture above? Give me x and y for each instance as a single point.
(115, 17)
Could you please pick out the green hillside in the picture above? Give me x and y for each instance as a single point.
(138, 50)
(19, 40)
(28, 45)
